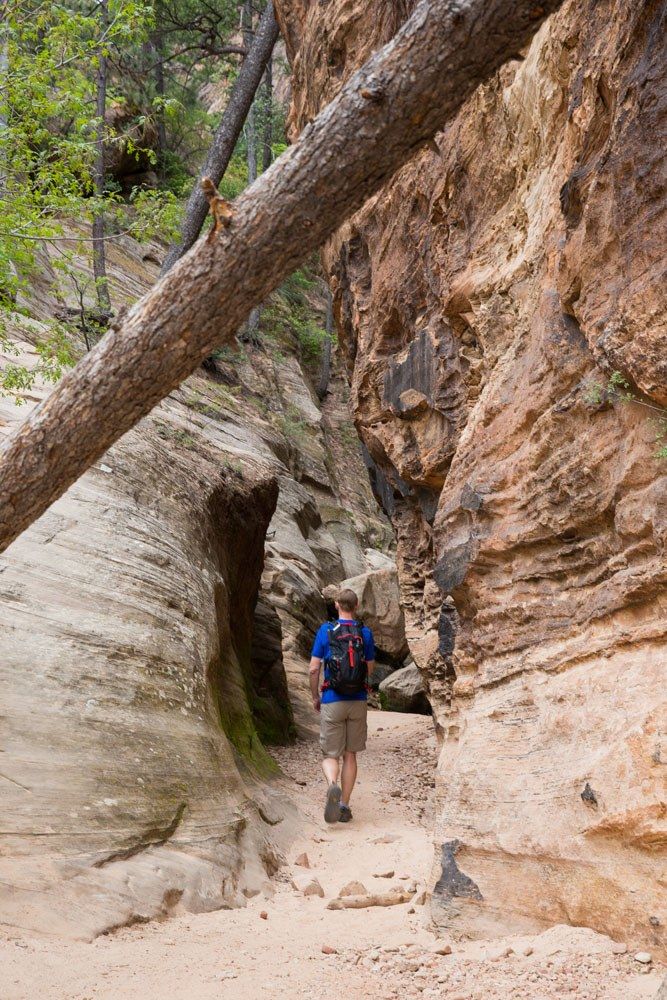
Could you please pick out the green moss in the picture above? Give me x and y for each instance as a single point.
(240, 730)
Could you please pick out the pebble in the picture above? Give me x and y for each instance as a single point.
(353, 889)
(264, 915)
(308, 886)
(619, 948)
(328, 950)
(302, 861)
(441, 948)
(644, 957)
(388, 874)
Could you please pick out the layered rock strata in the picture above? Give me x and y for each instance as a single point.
(140, 674)
(483, 298)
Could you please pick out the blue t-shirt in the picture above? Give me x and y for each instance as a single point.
(322, 652)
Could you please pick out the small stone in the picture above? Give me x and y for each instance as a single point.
(374, 956)
(264, 915)
(328, 950)
(643, 957)
(353, 889)
(307, 886)
(619, 948)
(412, 910)
(526, 950)
(499, 953)
(387, 874)
(441, 948)
(302, 861)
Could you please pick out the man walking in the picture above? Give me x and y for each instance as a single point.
(347, 650)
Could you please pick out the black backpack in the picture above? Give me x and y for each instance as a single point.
(347, 670)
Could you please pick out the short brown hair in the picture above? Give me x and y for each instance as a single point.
(348, 600)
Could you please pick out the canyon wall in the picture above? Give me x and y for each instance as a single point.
(484, 298)
(140, 676)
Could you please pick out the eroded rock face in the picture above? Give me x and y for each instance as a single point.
(129, 739)
(139, 674)
(478, 296)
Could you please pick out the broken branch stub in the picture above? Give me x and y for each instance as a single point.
(424, 75)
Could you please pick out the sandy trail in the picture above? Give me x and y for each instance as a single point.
(381, 953)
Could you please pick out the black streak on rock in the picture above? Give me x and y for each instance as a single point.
(447, 629)
(589, 797)
(470, 498)
(449, 572)
(453, 883)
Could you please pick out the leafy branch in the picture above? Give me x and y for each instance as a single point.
(618, 389)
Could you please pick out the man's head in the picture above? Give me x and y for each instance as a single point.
(347, 602)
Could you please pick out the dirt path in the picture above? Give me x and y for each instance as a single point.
(381, 953)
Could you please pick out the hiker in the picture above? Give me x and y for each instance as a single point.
(347, 650)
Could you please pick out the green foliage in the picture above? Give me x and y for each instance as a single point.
(55, 354)
(290, 317)
(618, 389)
(178, 435)
(348, 435)
(292, 425)
(159, 212)
(47, 120)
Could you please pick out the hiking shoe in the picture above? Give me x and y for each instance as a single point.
(332, 807)
(345, 814)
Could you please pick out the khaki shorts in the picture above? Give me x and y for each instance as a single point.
(343, 727)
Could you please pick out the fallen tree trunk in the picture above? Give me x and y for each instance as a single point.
(383, 115)
(392, 898)
(228, 131)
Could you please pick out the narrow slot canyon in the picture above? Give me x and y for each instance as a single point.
(455, 409)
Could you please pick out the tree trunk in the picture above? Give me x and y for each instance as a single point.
(325, 368)
(157, 48)
(228, 131)
(8, 293)
(267, 137)
(99, 254)
(386, 113)
(251, 144)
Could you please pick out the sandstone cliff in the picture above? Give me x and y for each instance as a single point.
(139, 676)
(477, 296)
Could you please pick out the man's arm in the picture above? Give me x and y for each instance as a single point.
(369, 651)
(314, 677)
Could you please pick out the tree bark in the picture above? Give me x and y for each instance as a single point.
(387, 111)
(267, 136)
(157, 51)
(99, 254)
(325, 367)
(9, 293)
(252, 325)
(228, 132)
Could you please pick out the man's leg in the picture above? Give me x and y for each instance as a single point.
(330, 768)
(349, 775)
(332, 741)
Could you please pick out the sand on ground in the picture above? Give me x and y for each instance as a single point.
(380, 953)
